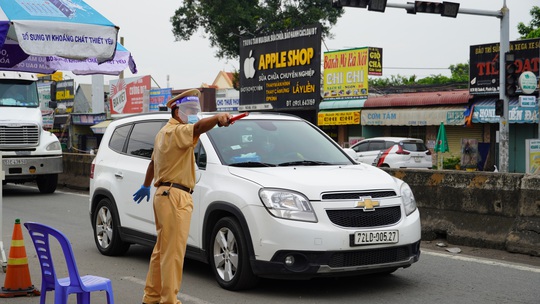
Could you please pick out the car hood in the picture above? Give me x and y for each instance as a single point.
(314, 180)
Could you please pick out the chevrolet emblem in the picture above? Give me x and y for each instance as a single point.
(367, 204)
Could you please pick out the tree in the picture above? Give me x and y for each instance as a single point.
(459, 79)
(533, 29)
(224, 22)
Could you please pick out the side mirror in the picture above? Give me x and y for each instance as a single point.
(53, 93)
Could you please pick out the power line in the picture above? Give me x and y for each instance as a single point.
(406, 68)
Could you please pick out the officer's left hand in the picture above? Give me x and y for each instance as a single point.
(142, 193)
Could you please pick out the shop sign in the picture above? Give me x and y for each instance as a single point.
(485, 113)
(527, 82)
(282, 70)
(159, 97)
(227, 100)
(338, 118)
(526, 101)
(413, 117)
(532, 148)
(484, 64)
(345, 72)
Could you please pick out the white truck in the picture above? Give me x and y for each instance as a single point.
(29, 153)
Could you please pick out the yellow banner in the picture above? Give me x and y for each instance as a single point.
(338, 118)
(56, 76)
(346, 73)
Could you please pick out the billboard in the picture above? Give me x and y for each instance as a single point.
(345, 72)
(484, 64)
(281, 71)
(127, 94)
(159, 97)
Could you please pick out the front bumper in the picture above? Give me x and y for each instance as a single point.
(310, 264)
(17, 167)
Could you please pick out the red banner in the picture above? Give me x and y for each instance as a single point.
(127, 94)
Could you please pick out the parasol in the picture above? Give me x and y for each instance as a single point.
(64, 28)
(13, 58)
(441, 144)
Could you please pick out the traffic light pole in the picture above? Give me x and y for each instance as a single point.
(504, 15)
(504, 128)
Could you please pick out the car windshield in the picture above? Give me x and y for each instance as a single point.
(271, 143)
(19, 93)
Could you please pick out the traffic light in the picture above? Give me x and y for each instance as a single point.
(510, 75)
(350, 3)
(499, 107)
(445, 9)
(372, 5)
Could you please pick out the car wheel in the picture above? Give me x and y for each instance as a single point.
(47, 183)
(106, 231)
(229, 259)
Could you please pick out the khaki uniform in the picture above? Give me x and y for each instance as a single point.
(174, 162)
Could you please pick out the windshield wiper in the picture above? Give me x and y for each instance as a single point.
(252, 164)
(303, 163)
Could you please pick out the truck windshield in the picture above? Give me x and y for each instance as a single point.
(19, 93)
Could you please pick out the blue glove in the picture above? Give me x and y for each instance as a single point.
(141, 193)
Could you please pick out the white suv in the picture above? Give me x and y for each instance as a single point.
(394, 152)
(275, 197)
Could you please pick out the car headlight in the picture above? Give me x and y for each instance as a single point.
(54, 146)
(287, 205)
(408, 199)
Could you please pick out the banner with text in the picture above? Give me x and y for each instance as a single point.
(484, 64)
(127, 94)
(281, 71)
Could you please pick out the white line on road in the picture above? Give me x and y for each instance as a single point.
(482, 261)
(182, 297)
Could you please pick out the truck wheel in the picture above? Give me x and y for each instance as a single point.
(229, 258)
(47, 183)
(106, 232)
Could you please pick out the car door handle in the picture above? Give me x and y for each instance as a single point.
(119, 174)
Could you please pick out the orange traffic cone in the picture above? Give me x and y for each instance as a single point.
(17, 281)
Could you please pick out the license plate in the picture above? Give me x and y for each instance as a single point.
(8, 162)
(417, 159)
(375, 237)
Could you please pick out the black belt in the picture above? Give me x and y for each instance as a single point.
(178, 186)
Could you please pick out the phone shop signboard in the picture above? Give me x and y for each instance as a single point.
(281, 71)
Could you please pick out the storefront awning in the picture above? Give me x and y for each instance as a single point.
(337, 118)
(342, 104)
(100, 127)
(484, 112)
(413, 116)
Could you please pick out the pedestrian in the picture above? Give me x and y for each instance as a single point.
(172, 168)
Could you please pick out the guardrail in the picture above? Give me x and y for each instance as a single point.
(480, 209)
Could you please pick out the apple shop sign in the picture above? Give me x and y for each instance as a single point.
(281, 71)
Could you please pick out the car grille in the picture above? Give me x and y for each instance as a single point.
(20, 135)
(357, 195)
(358, 218)
(372, 256)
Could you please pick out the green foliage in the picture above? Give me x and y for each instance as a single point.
(460, 74)
(451, 162)
(224, 22)
(533, 29)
